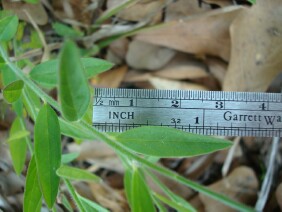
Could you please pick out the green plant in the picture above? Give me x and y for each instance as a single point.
(47, 169)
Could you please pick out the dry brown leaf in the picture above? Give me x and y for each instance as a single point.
(111, 78)
(182, 8)
(142, 55)
(204, 34)
(221, 3)
(97, 153)
(120, 47)
(241, 185)
(197, 204)
(182, 66)
(117, 50)
(136, 76)
(73, 9)
(256, 47)
(36, 11)
(160, 83)
(108, 197)
(139, 10)
(174, 186)
(278, 195)
(217, 68)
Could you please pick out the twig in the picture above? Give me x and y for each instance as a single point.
(46, 53)
(230, 156)
(267, 182)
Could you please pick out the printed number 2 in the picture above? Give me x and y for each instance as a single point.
(174, 103)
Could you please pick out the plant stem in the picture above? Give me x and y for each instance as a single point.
(123, 149)
(74, 195)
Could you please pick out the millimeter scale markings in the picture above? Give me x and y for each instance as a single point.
(203, 112)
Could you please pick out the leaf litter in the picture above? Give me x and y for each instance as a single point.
(203, 45)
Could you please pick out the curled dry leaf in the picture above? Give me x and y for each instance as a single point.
(143, 55)
(204, 34)
(241, 185)
(36, 11)
(139, 10)
(160, 83)
(256, 47)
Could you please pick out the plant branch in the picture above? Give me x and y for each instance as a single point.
(121, 148)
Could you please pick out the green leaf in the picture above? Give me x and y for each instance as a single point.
(169, 142)
(141, 199)
(32, 1)
(176, 205)
(20, 135)
(67, 158)
(75, 130)
(32, 192)
(128, 184)
(72, 173)
(46, 74)
(66, 203)
(252, 1)
(73, 87)
(18, 145)
(13, 91)
(8, 27)
(47, 143)
(90, 205)
(66, 31)
(95, 66)
(31, 102)
(173, 197)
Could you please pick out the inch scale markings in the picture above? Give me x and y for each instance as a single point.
(202, 112)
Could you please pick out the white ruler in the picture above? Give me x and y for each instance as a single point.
(202, 112)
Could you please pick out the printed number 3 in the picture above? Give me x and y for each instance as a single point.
(219, 105)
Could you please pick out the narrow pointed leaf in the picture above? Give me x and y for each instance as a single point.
(169, 142)
(13, 91)
(47, 152)
(73, 87)
(128, 185)
(76, 174)
(66, 31)
(174, 204)
(19, 135)
(141, 199)
(90, 205)
(69, 157)
(18, 146)
(32, 193)
(46, 74)
(8, 27)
